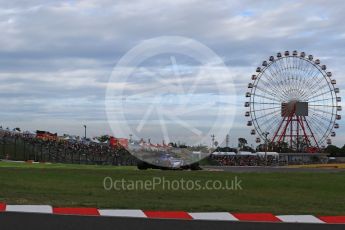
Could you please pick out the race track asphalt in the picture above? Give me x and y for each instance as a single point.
(261, 169)
(54, 222)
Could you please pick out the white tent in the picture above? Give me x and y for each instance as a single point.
(261, 154)
(95, 140)
(243, 153)
(224, 153)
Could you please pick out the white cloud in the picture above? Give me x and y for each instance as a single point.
(56, 57)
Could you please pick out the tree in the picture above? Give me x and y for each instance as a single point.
(248, 149)
(280, 147)
(242, 142)
(103, 138)
(333, 150)
(225, 149)
(173, 144)
(342, 150)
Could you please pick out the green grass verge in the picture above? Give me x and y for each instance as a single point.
(9, 164)
(82, 185)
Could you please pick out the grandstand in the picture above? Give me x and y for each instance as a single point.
(47, 147)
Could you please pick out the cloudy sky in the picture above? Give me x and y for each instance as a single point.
(57, 57)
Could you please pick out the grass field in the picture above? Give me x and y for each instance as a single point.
(82, 185)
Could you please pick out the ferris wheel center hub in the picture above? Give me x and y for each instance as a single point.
(294, 108)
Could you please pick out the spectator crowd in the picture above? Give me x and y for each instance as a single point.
(22, 146)
(244, 160)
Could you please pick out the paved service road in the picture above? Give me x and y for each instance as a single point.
(54, 222)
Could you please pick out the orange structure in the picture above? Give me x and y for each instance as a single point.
(45, 135)
(117, 142)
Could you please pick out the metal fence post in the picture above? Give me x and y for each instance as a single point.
(15, 147)
(42, 152)
(24, 151)
(3, 146)
(49, 157)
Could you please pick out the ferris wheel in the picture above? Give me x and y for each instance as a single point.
(293, 99)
